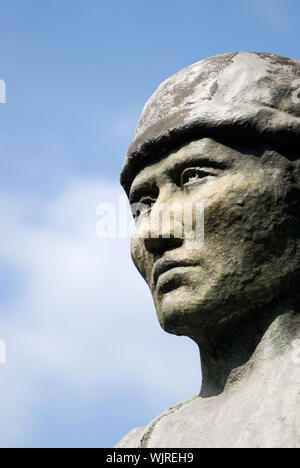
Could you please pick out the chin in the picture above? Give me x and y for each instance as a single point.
(181, 311)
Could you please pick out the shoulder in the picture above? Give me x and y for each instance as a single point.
(132, 439)
(140, 436)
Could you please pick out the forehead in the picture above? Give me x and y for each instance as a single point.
(204, 152)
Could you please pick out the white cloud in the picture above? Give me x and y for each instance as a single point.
(81, 317)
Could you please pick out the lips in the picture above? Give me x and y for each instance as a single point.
(161, 266)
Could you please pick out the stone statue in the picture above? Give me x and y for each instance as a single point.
(225, 130)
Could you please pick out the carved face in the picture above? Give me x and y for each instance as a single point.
(250, 249)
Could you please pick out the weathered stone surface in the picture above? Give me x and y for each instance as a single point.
(132, 439)
(260, 411)
(228, 93)
(237, 295)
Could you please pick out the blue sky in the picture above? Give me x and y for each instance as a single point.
(86, 360)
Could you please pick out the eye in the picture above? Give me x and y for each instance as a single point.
(192, 175)
(142, 207)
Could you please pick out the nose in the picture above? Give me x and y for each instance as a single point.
(161, 244)
(164, 228)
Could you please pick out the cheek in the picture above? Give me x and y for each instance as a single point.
(136, 253)
(141, 258)
(246, 220)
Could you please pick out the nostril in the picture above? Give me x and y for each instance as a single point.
(161, 244)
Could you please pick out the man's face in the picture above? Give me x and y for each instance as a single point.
(250, 236)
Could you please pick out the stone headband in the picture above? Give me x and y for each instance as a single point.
(230, 94)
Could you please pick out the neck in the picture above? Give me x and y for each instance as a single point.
(235, 353)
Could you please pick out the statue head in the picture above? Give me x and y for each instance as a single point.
(222, 134)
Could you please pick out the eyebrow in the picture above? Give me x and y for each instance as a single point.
(141, 189)
(200, 160)
(194, 160)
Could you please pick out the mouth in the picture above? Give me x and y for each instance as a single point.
(162, 266)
